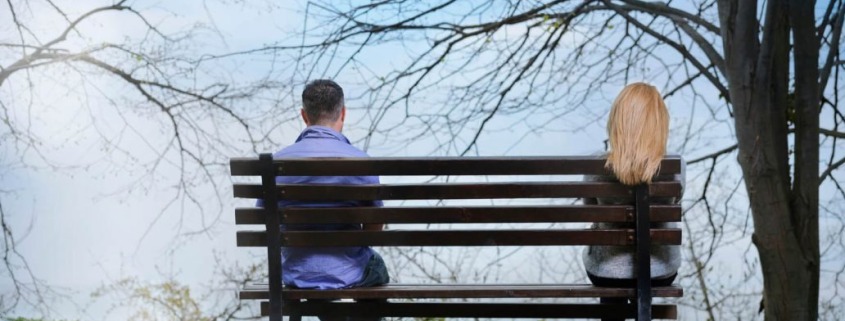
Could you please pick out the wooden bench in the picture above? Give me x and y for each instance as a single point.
(294, 302)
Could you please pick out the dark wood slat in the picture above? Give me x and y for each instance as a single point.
(643, 257)
(446, 291)
(458, 238)
(471, 310)
(272, 237)
(470, 214)
(556, 165)
(579, 189)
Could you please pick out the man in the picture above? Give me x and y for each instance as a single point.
(324, 112)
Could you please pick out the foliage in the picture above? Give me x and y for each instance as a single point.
(175, 301)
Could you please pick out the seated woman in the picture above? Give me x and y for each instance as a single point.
(637, 128)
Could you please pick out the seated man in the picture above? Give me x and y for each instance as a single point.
(324, 112)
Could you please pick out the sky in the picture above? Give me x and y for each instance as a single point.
(103, 213)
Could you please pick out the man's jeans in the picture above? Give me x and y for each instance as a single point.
(374, 274)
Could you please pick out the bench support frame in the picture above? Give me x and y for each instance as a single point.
(273, 226)
(643, 259)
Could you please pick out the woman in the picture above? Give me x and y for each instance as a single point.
(638, 128)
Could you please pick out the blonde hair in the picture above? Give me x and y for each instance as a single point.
(638, 128)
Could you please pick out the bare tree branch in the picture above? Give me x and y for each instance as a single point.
(835, 38)
(663, 9)
(714, 80)
(830, 133)
(829, 171)
(713, 155)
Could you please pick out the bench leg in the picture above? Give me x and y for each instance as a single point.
(613, 301)
(289, 306)
(344, 318)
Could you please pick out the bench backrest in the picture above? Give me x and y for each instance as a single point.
(641, 212)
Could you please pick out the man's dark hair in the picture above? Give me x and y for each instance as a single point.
(322, 100)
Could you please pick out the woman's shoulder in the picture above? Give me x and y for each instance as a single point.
(599, 178)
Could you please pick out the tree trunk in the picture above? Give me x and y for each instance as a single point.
(785, 215)
(805, 188)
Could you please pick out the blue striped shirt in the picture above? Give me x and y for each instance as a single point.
(323, 267)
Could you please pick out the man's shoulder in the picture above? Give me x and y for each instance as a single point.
(351, 151)
(301, 149)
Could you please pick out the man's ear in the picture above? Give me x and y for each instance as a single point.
(304, 117)
(343, 114)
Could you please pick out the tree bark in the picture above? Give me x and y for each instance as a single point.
(785, 215)
(805, 188)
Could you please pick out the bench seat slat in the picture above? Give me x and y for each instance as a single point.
(445, 291)
(409, 166)
(471, 310)
(476, 214)
(544, 237)
(331, 192)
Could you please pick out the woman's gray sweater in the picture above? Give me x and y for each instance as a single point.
(617, 262)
